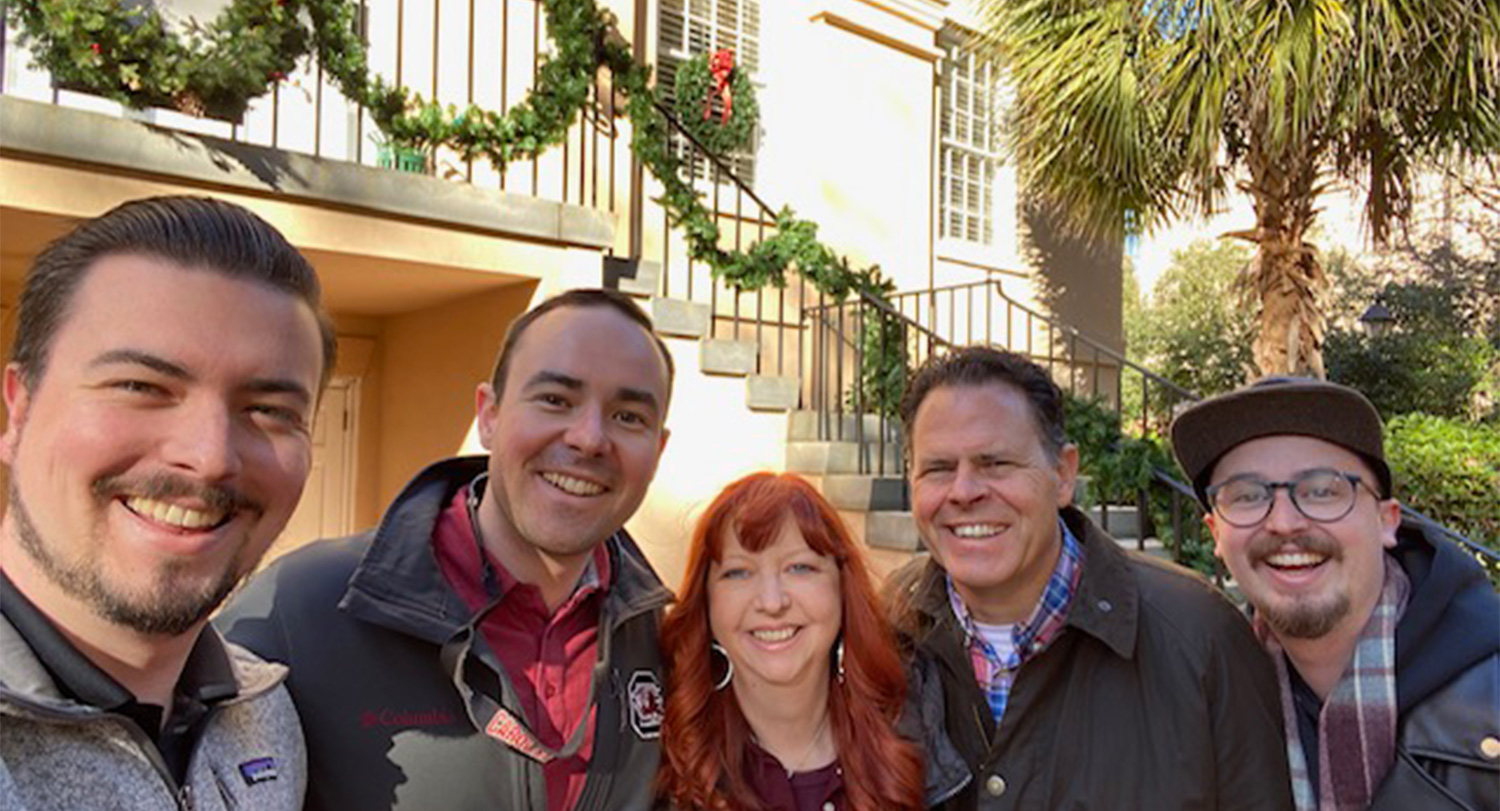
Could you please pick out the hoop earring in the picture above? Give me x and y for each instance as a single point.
(838, 657)
(728, 666)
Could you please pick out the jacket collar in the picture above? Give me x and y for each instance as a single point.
(636, 588)
(399, 584)
(1452, 620)
(24, 680)
(1105, 606)
(1107, 603)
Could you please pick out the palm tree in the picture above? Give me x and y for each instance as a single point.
(1131, 113)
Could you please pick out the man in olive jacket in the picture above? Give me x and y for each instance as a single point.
(1064, 671)
(1384, 634)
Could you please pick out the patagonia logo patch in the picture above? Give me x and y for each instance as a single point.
(260, 770)
(646, 709)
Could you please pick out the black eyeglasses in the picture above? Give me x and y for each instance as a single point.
(1322, 495)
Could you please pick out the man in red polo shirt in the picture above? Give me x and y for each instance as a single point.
(492, 644)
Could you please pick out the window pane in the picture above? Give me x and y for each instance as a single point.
(969, 154)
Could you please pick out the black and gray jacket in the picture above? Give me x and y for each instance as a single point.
(1447, 682)
(57, 754)
(363, 622)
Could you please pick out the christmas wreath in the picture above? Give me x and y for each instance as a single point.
(127, 53)
(716, 102)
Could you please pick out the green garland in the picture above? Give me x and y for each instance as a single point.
(540, 121)
(128, 55)
(695, 81)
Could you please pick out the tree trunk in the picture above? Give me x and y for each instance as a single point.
(1285, 280)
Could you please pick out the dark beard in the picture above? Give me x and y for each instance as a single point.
(1307, 621)
(166, 612)
(1303, 621)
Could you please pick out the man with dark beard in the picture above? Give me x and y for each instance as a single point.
(166, 368)
(1385, 635)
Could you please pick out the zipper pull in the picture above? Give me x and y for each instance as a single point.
(185, 798)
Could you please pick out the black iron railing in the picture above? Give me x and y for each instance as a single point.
(862, 352)
(981, 312)
(771, 316)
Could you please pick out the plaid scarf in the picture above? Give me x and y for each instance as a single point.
(994, 672)
(1357, 726)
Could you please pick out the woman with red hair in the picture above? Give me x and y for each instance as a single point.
(785, 683)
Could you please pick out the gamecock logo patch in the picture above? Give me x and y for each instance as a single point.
(646, 708)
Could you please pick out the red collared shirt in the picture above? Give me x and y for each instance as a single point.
(548, 656)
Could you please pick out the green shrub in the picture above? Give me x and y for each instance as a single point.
(1449, 470)
(1436, 360)
(1120, 467)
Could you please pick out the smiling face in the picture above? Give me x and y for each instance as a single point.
(985, 495)
(777, 612)
(1305, 578)
(163, 449)
(575, 436)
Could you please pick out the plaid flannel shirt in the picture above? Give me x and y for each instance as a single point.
(996, 673)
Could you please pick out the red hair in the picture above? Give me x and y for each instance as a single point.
(704, 736)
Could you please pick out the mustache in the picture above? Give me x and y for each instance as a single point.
(161, 486)
(1269, 544)
(600, 469)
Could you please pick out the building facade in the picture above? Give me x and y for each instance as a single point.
(880, 121)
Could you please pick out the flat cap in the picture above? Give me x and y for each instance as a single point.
(1274, 406)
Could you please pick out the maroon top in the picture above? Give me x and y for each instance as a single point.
(817, 790)
(549, 657)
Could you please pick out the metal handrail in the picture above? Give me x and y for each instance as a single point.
(770, 317)
(671, 118)
(892, 312)
(1096, 346)
(1474, 547)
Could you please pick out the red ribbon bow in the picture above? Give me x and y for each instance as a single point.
(721, 65)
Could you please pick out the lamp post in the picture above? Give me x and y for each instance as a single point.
(1377, 320)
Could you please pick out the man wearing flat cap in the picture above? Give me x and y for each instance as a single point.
(1385, 635)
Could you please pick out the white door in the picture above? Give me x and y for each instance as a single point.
(327, 506)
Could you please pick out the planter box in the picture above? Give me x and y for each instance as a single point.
(404, 159)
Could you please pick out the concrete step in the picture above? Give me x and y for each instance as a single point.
(772, 393)
(825, 458)
(680, 319)
(636, 277)
(1153, 546)
(804, 424)
(864, 493)
(1122, 520)
(719, 356)
(887, 530)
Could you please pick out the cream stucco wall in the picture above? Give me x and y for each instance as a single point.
(431, 361)
(848, 128)
(715, 439)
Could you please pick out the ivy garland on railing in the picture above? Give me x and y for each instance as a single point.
(129, 55)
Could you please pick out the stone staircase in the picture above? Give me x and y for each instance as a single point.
(675, 318)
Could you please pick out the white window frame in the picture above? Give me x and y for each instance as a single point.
(969, 145)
